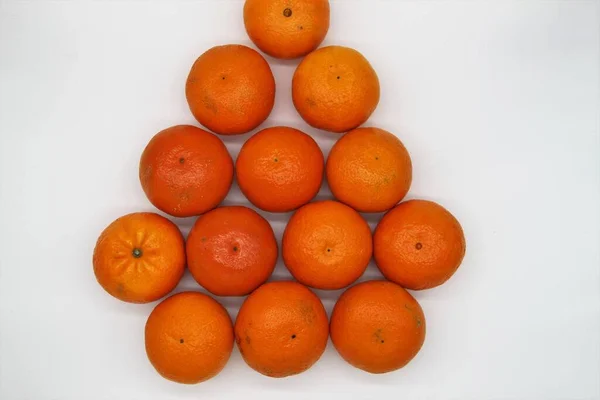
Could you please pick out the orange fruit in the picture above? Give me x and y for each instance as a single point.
(185, 171)
(419, 245)
(287, 28)
(279, 169)
(377, 326)
(139, 257)
(327, 245)
(335, 89)
(230, 89)
(281, 329)
(369, 169)
(189, 337)
(231, 251)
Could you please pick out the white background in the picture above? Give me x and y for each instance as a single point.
(497, 101)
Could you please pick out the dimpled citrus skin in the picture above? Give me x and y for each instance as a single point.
(185, 171)
(139, 257)
(231, 251)
(419, 245)
(279, 169)
(281, 329)
(189, 338)
(335, 89)
(327, 245)
(230, 89)
(286, 28)
(369, 169)
(377, 326)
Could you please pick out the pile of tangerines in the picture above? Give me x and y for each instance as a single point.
(282, 327)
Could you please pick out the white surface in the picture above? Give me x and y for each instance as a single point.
(498, 103)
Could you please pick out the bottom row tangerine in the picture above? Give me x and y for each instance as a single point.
(282, 330)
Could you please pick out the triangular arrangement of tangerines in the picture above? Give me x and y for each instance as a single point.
(185, 171)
